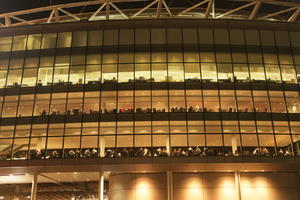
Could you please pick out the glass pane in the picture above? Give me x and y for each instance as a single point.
(64, 39)
(5, 44)
(95, 38)
(49, 40)
(34, 41)
(79, 39)
(19, 43)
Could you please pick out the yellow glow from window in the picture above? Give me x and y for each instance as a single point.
(143, 191)
(194, 191)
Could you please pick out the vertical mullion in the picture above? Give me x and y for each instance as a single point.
(254, 104)
(268, 93)
(151, 89)
(67, 96)
(117, 95)
(18, 104)
(185, 88)
(201, 90)
(284, 96)
(235, 96)
(100, 98)
(83, 92)
(50, 97)
(219, 96)
(168, 87)
(34, 97)
(5, 86)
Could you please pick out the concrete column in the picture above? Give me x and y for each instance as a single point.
(17, 191)
(101, 186)
(34, 187)
(168, 149)
(238, 185)
(102, 146)
(170, 185)
(233, 144)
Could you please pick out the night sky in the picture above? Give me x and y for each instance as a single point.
(15, 5)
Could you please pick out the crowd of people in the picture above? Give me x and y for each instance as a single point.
(191, 109)
(156, 152)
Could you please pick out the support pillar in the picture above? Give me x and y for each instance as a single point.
(170, 185)
(168, 148)
(102, 146)
(101, 186)
(238, 185)
(233, 144)
(17, 191)
(34, 187)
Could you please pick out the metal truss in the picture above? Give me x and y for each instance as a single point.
(269, 10)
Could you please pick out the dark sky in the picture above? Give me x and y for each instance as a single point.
(15, 5)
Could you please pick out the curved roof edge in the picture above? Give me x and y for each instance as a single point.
(261, 10)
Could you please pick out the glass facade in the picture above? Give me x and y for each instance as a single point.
(150, 92)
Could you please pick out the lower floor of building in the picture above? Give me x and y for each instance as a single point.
(151, 180)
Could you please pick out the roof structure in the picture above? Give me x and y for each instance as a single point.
(269, 10)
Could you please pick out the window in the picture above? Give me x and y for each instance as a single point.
(225, 72)
(14, 78)
(126, 36)
(282, 39)
(190, 36)
(45, 76)
(175, 73)
(29, 77)
(64, 39)
(109, 102)
(267, 38)
(19, 43)
(211, 100)
(79, 39)
(95, 38)
(158, 36)
(277, 102)
(142, 36)
(41, 105)
(49, 40)
(221, 36)
(241, 73)
(261, 101)
(174, 36)
(74, 103)
(126, 72)
(16, 62)
(257, 73)
(110, 37)
(58, 104)
(125, 102)
(206, 36)
(159, 72)
(237, 37)
(227, 99)
(273, 73)
(34, 41)
(10, 106)
(295, 39)
(5, 44)
(192, 72)
(91, 103)
(252, 37)
(109, 74)
(25, 105)
(31, 62)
